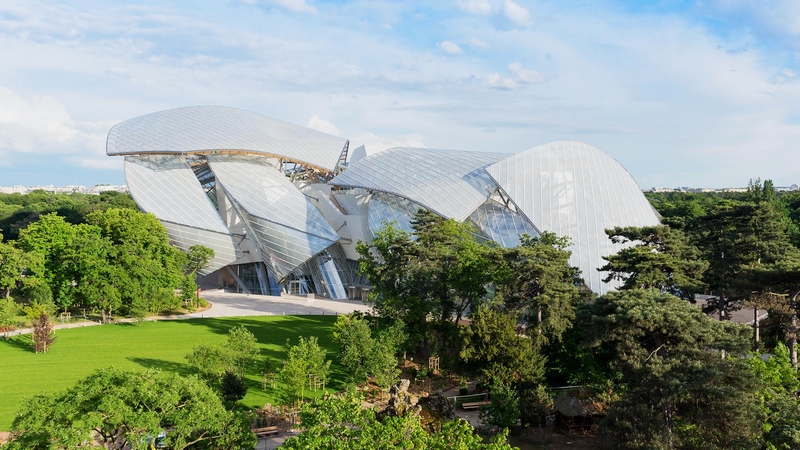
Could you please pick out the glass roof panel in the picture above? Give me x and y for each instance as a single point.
(448, 182)
(575, 190)
(166, 186)
(209, 128)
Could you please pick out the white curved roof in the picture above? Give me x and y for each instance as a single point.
(284, 222)
(204, 129)
(448, 182)
(166, 186)
(573, 189)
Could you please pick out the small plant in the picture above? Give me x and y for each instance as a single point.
(423, 372)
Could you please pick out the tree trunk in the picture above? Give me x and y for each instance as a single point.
(793, 341)
(756, 329)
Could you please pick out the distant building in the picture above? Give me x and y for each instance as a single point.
(96, 190)
(283, 209)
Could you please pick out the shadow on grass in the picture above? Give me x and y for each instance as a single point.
(21, 342)
(272, 332)
(163, 365)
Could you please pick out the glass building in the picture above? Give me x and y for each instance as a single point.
(283, 209)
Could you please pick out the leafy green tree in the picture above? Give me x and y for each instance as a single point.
(9, 309)
(660, 257)
(340, 422)
(236, 355)
(678, 390)
(504, 410)
(440, 271)
(304, 359)
(49, 237)
(363, 355)
(197, 259)
(210, 361)
(95, 279)
(146, 263)
(232, 387)
(243, 347)
(127, 409)
(537, 282)
(354, 337)
(493, 348)
(12, 268)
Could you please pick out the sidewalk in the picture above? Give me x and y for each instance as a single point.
(224, 304)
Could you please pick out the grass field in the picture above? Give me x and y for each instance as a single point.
(163, 345)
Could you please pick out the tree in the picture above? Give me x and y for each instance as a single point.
(493, 348)
(340, 422)
(146, 264)
(363, 355)
(536, 282)
(243, 347)
(12, 267)
(49, 237)
(504, 410)
(42, 336)
(232, 387)
(678, 390)
(355, 341)
(9, 309)
(198, 258)
(238, 353)
(660, 257)
(210, 361)
(95, 280)
(128, 409)
(439, 271)
(304, 359)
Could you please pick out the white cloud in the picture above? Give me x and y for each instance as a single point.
(482, 7)
(450, 47)
(374, 144)
(517, 13)
(524, 75)
(494, 80)
(315, 123)
(42, 125)
(298, 6)
(477, 43)
(26, 123)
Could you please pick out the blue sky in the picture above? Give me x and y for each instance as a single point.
(682, 93)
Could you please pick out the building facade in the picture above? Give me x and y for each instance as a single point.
(283, 207)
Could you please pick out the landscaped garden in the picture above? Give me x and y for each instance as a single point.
(162, 345)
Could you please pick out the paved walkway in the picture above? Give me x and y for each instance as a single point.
(224, 304)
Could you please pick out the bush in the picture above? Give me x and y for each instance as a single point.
(504, 410)
(535, 406)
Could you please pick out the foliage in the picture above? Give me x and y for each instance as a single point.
(535, 406)
(536, 281)
(304, 359)
(363, 355)
(18, 211)
(678, 390)
(237, 354)
(243, 347)
(493, 349)
(504, 410)
(661, 258)
(440, 271)
(339, 422)
(232, 387)
(128, 409)
(355, 341)
(163, 345)
(9, 309)
(42, 336)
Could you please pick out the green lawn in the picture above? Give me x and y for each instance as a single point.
(80, 351)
